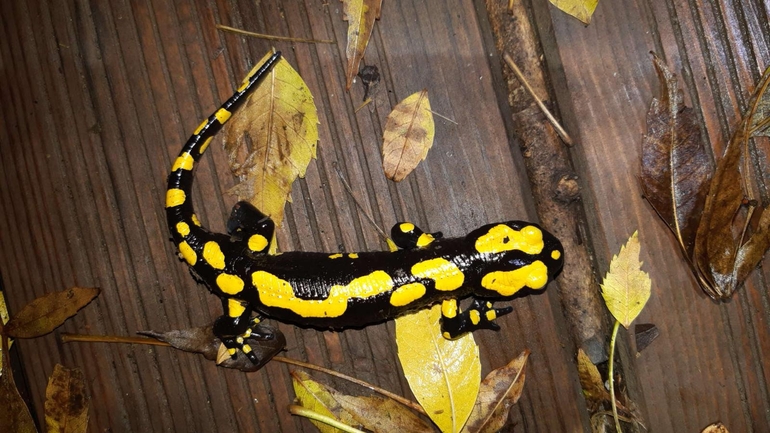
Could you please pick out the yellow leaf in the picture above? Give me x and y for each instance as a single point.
(408, 136)
(360, 15)
(271, 140)
(580, 9)
(717, 427)
(380, 414)
(443, 374)
(318, 398)
(49, 311)
(66, 402)
(499, 391)
(626, 287)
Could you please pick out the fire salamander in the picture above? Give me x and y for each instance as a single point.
(335, 291)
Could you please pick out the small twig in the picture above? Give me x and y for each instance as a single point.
(307, 413)
(367, 102)
(345, 183)
(444, 117)
(562, 133)
(272, 37)
(66, 337)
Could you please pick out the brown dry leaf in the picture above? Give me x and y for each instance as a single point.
(360, 15)
(14, 414)
(66, 402)
(717, 427)
(676, 167)
(203, 341)
(48, 312)
(272, 138)
(500, 390)
(725, 250)
(580, 9)
(408, 136)
(382, 415)
(591, 382)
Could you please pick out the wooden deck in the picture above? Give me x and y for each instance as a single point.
(98, 97)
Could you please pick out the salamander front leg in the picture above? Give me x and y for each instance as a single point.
(236, 325)
(480, 315)
(407, 236)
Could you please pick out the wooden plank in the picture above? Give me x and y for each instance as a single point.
(97, 104)
(708, 364)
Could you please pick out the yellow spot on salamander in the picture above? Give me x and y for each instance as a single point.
(222, 115)
(506, 283)
(501, 238)
(353, 255)
(200, 127)
(491, 315)
(239, 340)
(446, 335)
(205, 145)
(257, 243)
(235, 307)
(230, 284)
(406, 227)
(425, 239)
(449, 308)
(243, 86)
(231, 351)
(335, 256)
(276, 292)
(185, 161)
(213, 255)
(475, 316)
(182, 228)
(555, 254)
(175, 197)
(195, 220)
(406, 294)
(445, 273)
(187, 252)
(246, 348)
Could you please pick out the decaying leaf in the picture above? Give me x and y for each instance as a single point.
(500, 390)
(203, 341)
(66, 402)
(676, 167)
(717, 427)
(271, 139)
(360, 15)
(318, 398)
(443, 374)
(626, 288)
(48, 312)
(382, 415)
(726, 248)
(4, 317)
(591, 382)
(580, 9)
(14, 414)
(408, 136)
(644, 334)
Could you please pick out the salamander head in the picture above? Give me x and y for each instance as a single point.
(518, 255)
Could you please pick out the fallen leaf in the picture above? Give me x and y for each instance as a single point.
(14, 413)
(717, 427)
(360, 15)
(203, 341)
(580, 9)
(4, 317)
(591, 382)
(271, 139)
(442, 374)
(726, 251)
(500, 390)
(318, 398)
(676, 167)
(382, 415)
(48, 312)
(408, 136)
(66, 402)
(644, 334)
(626, 288)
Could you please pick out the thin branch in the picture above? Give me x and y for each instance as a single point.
(272, 37)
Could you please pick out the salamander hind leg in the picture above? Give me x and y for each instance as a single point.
(249, 224)
(480, 314)
(235, 327)
(408, 236)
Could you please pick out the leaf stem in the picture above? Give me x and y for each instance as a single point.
(612, 375)
(271, 37)
(307, 413)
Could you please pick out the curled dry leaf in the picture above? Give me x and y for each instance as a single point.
(726, 249)
(48, 312)
(580, 9)
(360, 15)
(717, 427)
(500, 390)
(271, 139)
(626, 288)
(676, 167)
(382, 415)
(66, 402)
(408, 136)
(203, 341)
(443, 374)
(318, 398)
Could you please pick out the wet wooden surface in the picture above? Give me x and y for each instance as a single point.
(98, 98)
